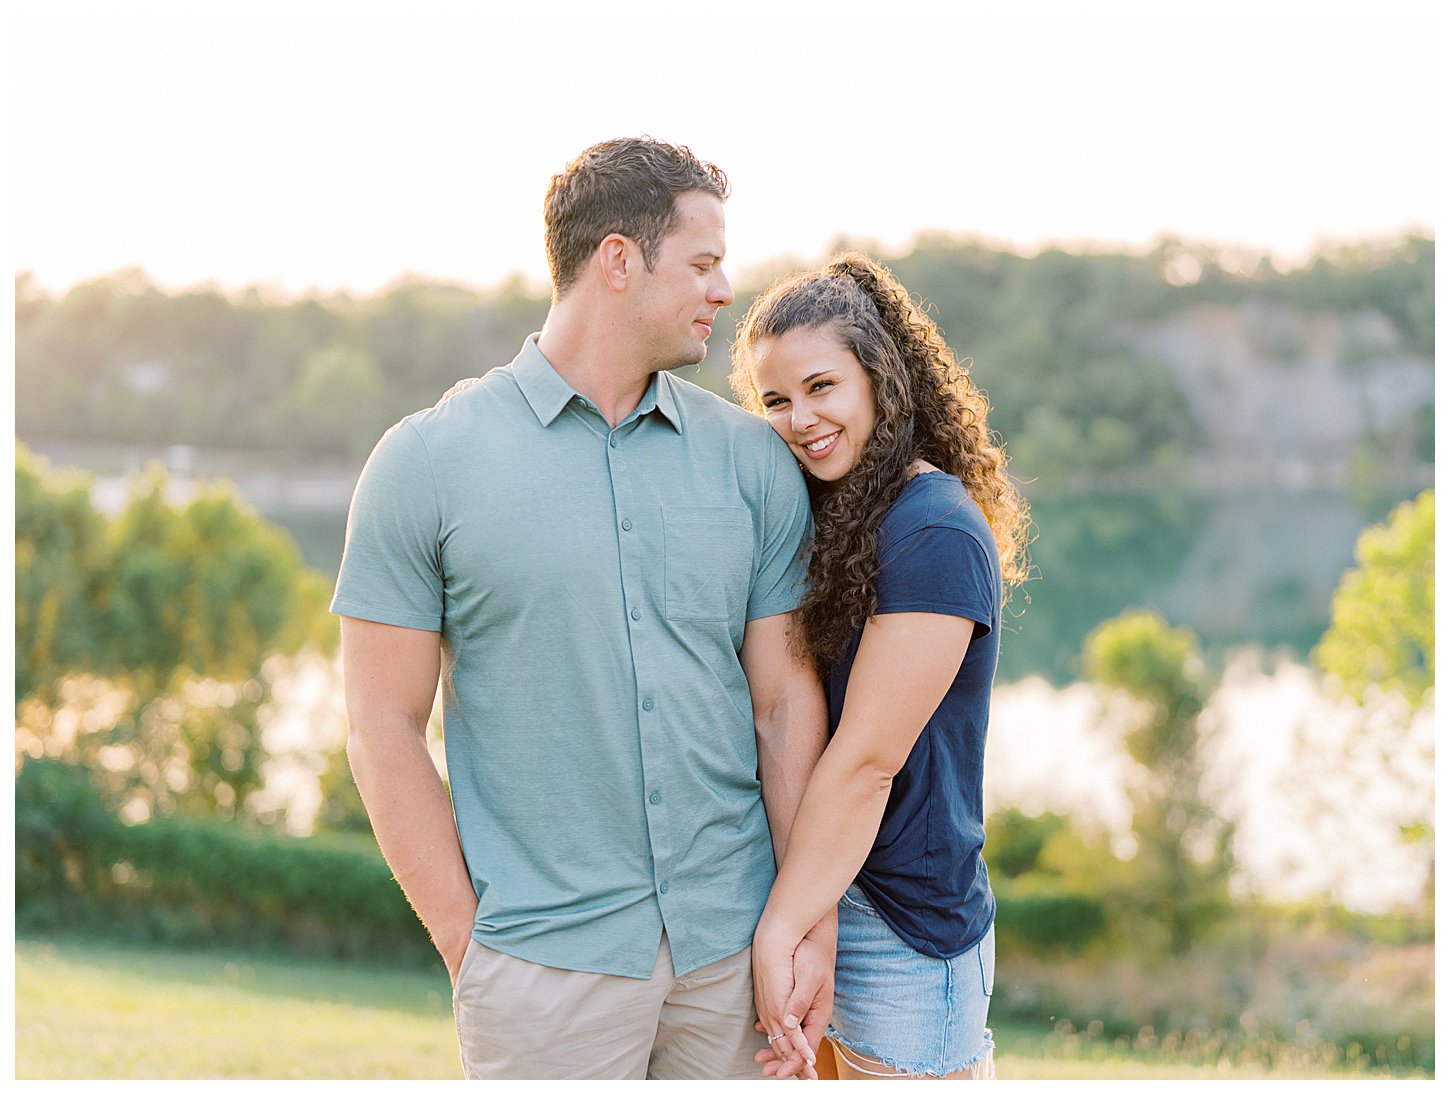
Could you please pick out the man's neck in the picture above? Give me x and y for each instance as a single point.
(595, 357)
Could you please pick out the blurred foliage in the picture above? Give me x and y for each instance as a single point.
(117, 359)
(189, 881)
(1263, 993)
(65, 841)
(342, 809)
(1183, 860)
(1016, 840)
(1380, 647)
(142, 641)
(1037, 910)
(1046, 920)
(1382, 630)
(61, 562)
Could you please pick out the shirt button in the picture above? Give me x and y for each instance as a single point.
(634, 613)
(664, 887)
(648, 705)
(613, 443)
(626, 524)
(654, 798)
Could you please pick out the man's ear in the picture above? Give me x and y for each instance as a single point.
(617, 257)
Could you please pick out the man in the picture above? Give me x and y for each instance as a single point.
(601, 560)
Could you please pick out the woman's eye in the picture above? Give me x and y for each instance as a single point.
(819, 384)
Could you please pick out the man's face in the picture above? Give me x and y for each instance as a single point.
(676, 302)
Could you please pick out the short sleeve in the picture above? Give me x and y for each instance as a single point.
(785, 531)
(391, 571)
(940, 569)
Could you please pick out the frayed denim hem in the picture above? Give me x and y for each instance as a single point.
(907, 1069)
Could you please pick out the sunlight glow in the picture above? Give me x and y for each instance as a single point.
(344, 147)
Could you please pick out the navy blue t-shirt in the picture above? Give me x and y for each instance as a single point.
(925, 873)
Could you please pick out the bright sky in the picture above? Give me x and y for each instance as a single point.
(345, 146)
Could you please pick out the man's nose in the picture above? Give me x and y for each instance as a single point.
(720, 292)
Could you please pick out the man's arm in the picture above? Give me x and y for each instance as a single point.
(790, 734)
(790, 720)
(390, 676)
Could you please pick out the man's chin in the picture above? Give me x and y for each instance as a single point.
(687, 357)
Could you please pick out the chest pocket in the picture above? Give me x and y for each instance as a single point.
(709, 560)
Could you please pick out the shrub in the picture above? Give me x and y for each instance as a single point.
(63, 836)
(1047, 921)
(179, 880)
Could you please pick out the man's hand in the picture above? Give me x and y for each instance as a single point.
(452, 950)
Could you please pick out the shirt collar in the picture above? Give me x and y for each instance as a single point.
(548, 393)
(660, 396)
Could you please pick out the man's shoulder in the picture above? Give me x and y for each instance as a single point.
(701, 405)
(496, 391)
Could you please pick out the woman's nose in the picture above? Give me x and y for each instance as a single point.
(802, 416)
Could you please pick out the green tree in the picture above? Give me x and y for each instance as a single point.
(339, 405)
(60, 559)
(1382, 620)
(177, 609)
(1380, 647)
(1183, 859)
(1016, 839)
(342, 808)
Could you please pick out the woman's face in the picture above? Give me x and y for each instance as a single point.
(818, 398)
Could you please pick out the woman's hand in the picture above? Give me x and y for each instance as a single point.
(794, 984)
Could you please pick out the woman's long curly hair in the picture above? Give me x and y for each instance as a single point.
(927, 408)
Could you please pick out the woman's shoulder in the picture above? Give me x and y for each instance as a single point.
(934, 499)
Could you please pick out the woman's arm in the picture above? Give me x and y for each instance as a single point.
(904, 665)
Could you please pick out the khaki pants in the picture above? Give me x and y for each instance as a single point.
(518, 1020)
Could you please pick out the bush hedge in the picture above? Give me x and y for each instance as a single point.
(198, 881)
(180, 880)
(1047, 921)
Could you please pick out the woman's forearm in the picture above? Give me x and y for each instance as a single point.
(834, 830)
(904, 665)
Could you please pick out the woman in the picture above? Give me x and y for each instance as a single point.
(917, 526)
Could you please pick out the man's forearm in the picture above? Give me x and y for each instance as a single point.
(790, 738)
(412, 819)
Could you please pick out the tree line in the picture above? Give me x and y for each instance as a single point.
(118, 359)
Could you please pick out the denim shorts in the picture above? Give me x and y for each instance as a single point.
(922, 1016)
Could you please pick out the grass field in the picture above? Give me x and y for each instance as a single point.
(87, 1009)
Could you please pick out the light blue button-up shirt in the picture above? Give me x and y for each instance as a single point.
(592, 587)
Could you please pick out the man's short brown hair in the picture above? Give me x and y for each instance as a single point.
(628, 185)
